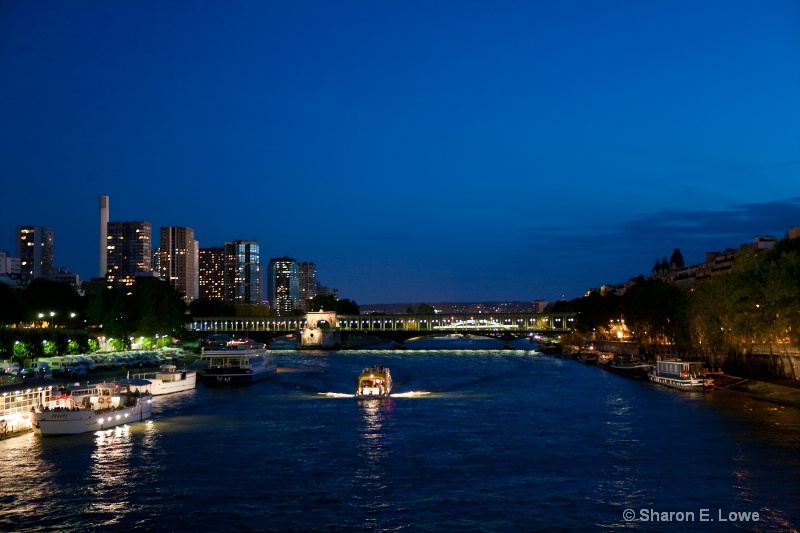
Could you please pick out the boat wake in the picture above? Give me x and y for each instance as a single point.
(410, 394)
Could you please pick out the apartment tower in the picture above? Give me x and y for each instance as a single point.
(283, 285)
(35, 252)
(178, 261)
(128, 251)
(242, 273)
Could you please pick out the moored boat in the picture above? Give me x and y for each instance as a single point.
(681, 375)
(167, 380)
(587, 356)
(604, 359)
(91, 408)
(374, 382)
(631, 366)
(236, 362)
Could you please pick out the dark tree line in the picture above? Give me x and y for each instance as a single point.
(756, 302)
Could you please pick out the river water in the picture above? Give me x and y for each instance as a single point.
(474, 440)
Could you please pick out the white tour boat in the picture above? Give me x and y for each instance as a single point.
(167, 380)
(91, 408)
(374, 382)
(236, 362)
(681, 375)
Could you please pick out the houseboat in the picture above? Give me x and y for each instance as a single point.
(681, 375)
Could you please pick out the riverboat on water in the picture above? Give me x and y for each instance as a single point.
(167, 380)
(236, 362)
(91, 408)
(681, 375)
(631, 366)
(374, 382)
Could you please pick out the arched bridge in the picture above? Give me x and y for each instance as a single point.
(399, 327)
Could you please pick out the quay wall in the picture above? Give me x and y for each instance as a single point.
(768, 361)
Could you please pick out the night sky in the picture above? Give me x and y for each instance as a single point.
(416, 151)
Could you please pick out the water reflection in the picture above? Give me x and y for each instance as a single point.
(111, 472)
(372, 448)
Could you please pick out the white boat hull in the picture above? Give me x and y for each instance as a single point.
(691, 384)
(72, 422)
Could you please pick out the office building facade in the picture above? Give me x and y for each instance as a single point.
(283, 285)
(178, 261)
(128, 252)
(307, 283)
(242, 273)
(211, 273)
(35, 250)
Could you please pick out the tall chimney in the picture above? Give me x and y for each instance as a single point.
(103, 235)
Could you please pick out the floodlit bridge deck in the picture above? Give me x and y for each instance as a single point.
(401, 326)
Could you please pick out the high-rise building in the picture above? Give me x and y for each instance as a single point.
(35, 252)
(308, 283)
(128, 251)
(103, 236)
(242, 273)
(211, 273)
(283, 285)
(178, 261)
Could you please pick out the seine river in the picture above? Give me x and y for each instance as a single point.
(475, 440)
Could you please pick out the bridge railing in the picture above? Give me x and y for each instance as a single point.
(512, 322)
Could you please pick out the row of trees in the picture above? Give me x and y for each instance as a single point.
(756, 302)
(47, 318)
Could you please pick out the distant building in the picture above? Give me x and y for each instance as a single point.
(35, 250)
(676, 273)
(64, 277)
(283, 285)
(128, 252)
(307, 283)
(211, 273)
(10, 269)
(242, 273)
(178, 261)
(323, 290)
(538, 306)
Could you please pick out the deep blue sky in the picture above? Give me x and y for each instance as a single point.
(415, 150)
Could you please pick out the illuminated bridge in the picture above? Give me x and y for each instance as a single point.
(506, 326)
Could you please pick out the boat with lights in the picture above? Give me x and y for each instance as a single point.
(374, 382)
(236, 362)
(91, 408)
(681, 375)
(166, 380)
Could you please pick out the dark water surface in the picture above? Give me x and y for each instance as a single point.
(490, 440)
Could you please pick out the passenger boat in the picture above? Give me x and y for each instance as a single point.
(374, 382)
(91, 408)
(167, 380)
(681, 375)
(236, 362)
(631, 366)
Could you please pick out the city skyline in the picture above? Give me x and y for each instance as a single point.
(413, 152)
